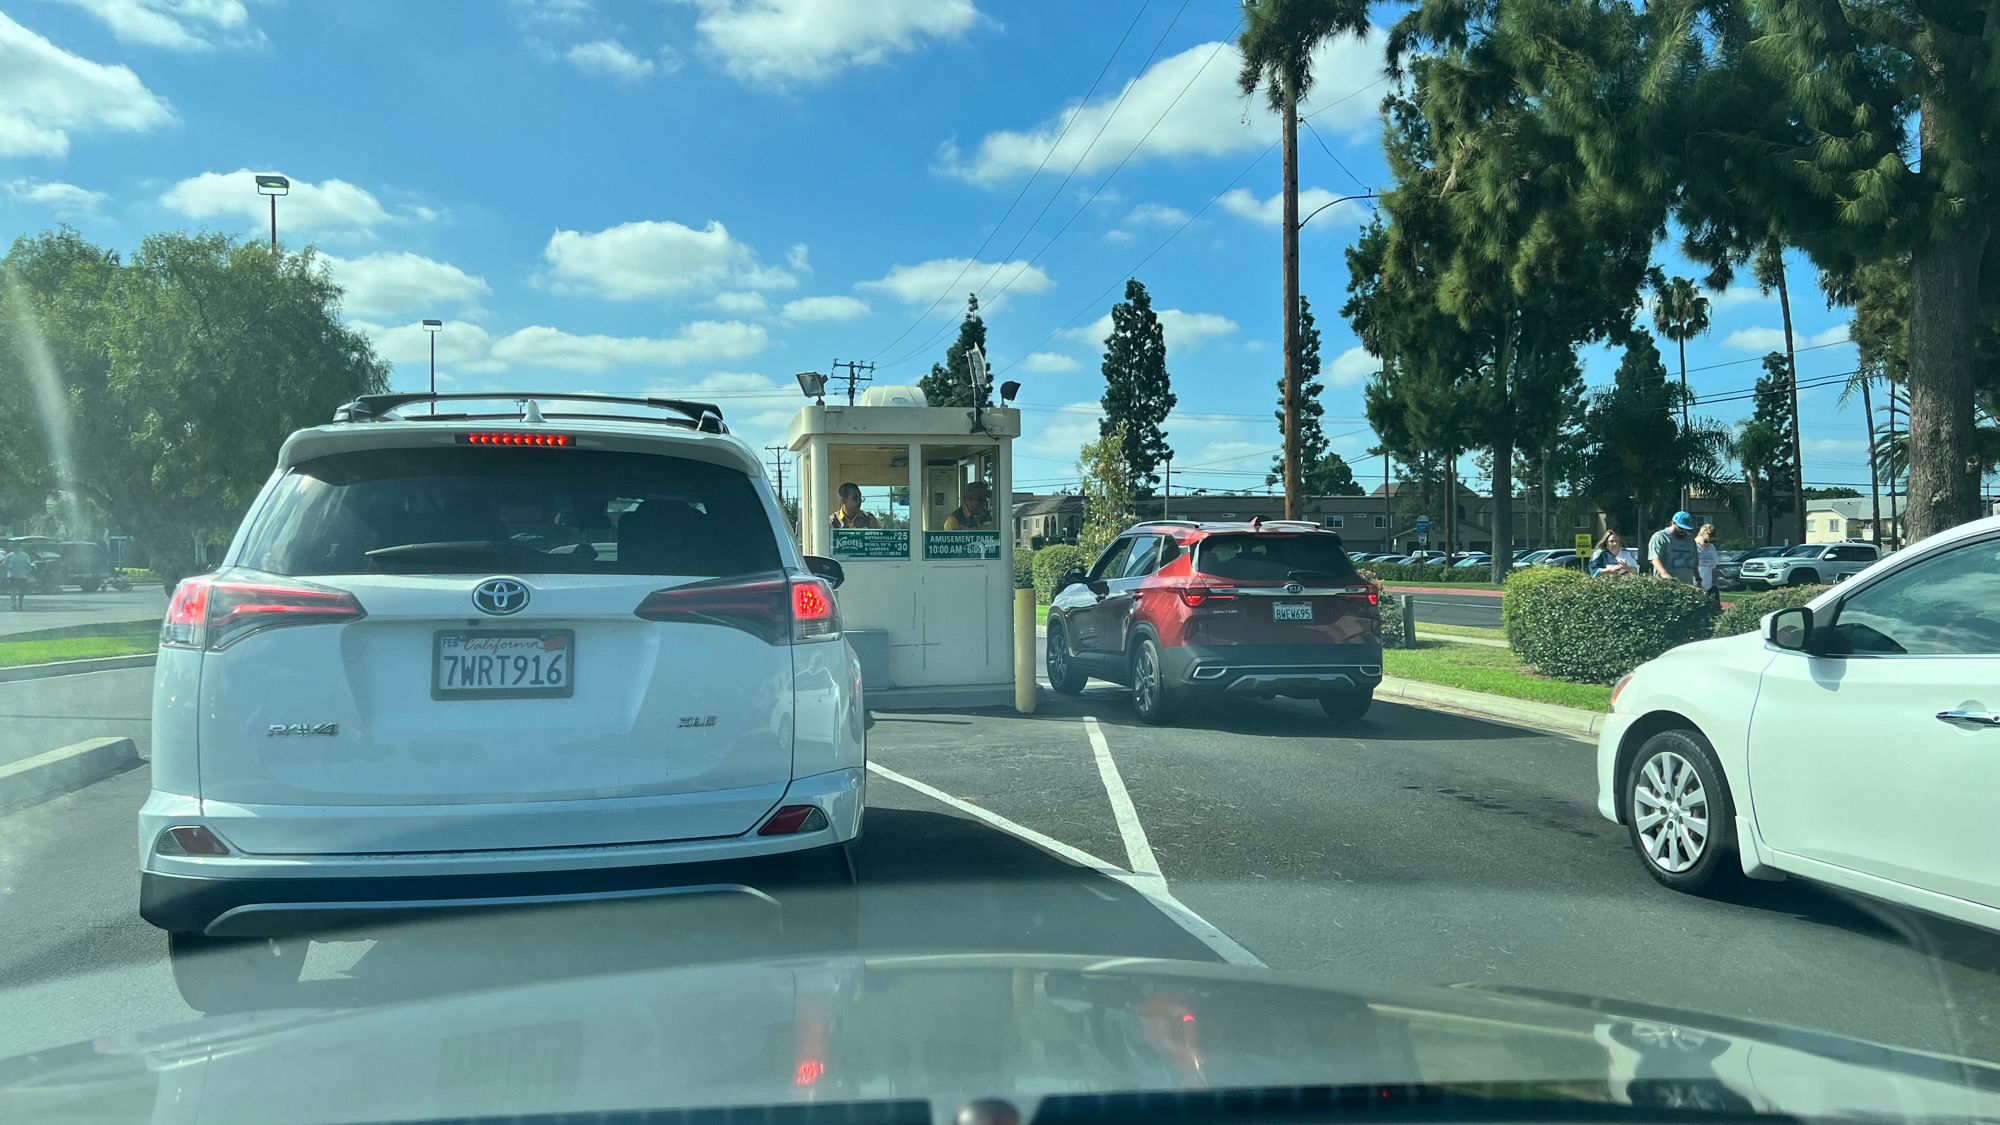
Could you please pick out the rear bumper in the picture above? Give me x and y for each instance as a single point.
(1263, 670)
(249, 894)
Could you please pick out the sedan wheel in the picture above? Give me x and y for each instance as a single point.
(1678, 811)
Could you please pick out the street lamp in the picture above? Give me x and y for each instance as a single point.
(432, 328)
(1331, 202)
(274, 186)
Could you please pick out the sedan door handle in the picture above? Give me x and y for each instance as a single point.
(1971, 720)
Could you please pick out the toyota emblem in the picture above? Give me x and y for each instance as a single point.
(1294, 588)
(500, 597)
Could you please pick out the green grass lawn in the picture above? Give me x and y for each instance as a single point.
(1041, 614)
(1494, 670)
(80, 642)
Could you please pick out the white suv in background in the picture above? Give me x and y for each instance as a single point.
(1809, 564)
(463, 660)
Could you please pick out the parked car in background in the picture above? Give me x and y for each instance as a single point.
(1543, 557)
(1729, 565)
(1473, 560)
(1182, 613)
(1808, 564)
(85, 565)
(1854, 741)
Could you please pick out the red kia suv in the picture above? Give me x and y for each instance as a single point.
(1181, 612)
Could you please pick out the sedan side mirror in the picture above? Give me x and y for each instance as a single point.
(827, 568)
(1790, 629)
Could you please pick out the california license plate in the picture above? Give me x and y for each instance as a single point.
(1292, 611)
(503, 664)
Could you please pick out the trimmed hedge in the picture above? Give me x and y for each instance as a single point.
(1594, 630)
(1049, 565)
(1024, 568)
(1526, 589)
(1749, 609)
(1419, 572)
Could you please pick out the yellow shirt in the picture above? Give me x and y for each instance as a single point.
(959, 521)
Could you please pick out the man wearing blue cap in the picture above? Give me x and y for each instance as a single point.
(1673, 549)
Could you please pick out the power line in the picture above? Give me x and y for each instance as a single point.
(1029, 182)
(1336, 160)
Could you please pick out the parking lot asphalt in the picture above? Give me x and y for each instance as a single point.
(68, 608)
(1410, 848)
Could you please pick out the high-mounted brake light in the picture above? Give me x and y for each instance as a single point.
(214, 611)
(777, 610)
(478, 437)
(1197, 595)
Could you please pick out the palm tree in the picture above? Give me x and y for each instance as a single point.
(1680, 312)
(1278, 40)
(1758, 443)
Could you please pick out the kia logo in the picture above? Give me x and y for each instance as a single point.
(1294, 588)
(500, 597)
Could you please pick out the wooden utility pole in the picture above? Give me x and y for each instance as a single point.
(854, 376)
(777, 453)
(1792, 369)
(1874, 482)
(1290, 139)
(1167, 496)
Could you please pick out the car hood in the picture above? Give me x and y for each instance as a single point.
(937, 1030)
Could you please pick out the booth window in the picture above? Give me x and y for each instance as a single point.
(959, 507)
(869, 506)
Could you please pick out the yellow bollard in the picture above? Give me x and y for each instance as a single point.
(1024, 651)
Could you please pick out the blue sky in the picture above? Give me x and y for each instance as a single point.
(705, 196)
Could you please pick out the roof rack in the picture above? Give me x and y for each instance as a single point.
(705, 417)
(1166, 523)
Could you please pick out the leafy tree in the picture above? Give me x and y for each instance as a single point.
(1764, 444)
(1326, 472)
(1277, 44)
(1108, 490)
(950, 383)
(182, 371)
(1638, 455)
(1138, 394)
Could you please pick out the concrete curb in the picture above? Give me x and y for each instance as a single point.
(77, 667)
(69, 767)
(1572, 721)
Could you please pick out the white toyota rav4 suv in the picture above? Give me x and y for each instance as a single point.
(475, 660)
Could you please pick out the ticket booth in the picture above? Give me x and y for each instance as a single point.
(929, 556)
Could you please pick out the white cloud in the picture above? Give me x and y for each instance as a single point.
(636, 261)
(47, 92)
(1061, 434)
(1836, 445)
(799, 257)
(67, 200)
(1352, 366)
(921, 283)
(388, 284)
(825, 308)
(791, 42)
(330, 205)
(1210, 119)
(699, 342)
(1183, 329)
(1049, 362)
(1118, 237)
(461, 346)
(1773, 339)
(1155, 214)
(177, 25)
(740, 304)
(1270, 212)
(722, 385)
(608, 58)
(1738, 294)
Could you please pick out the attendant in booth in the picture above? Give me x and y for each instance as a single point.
(974, 511)
(849, 514)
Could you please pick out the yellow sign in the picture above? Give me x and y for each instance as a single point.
(1582, 546)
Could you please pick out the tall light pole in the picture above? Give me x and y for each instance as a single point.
(432, 328)
(1295, 472)
(274, 186)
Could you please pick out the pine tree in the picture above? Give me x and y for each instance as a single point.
(1764, 442)
(1325, 472)
(1138, 394)
(950, 383)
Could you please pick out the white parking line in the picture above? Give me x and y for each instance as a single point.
(1138, 849)
(1151, 887)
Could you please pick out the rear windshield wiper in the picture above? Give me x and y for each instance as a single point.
(457, 551)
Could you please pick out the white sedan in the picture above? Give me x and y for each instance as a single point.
(1854, 741)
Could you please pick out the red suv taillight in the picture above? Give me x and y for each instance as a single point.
(781, 610)
(213, 612)
(1201, 595)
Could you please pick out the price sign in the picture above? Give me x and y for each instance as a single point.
(871, 543)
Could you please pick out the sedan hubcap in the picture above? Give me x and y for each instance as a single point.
(1670, 811)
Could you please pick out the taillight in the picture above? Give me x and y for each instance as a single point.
(1198, 595)
(775, 610)
(793, 819)
(1370, 593)
(496, 438)
(213, 612)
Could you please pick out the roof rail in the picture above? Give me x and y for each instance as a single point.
(1294, 523)
(1166, 523)
(703, 416)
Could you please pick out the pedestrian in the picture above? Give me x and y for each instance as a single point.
(16, 571)
(1612, 557)
(1704, 561)
(1673, 550)
(849, 514)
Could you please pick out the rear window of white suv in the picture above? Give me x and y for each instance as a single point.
(459, 510)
